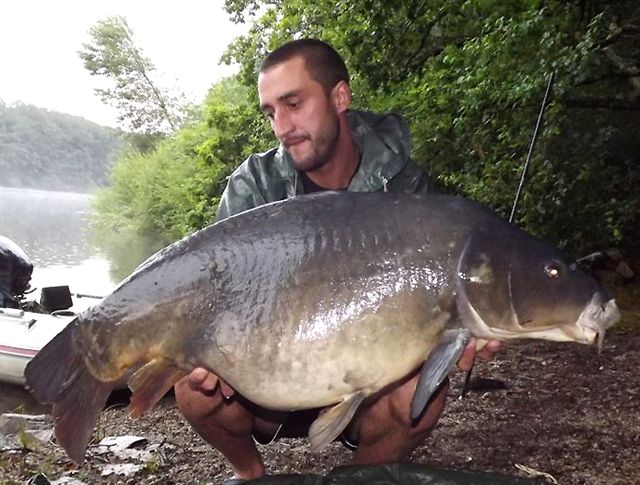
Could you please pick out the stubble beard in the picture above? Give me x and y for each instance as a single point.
(323, 147)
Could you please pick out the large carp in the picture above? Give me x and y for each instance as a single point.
(314, 301)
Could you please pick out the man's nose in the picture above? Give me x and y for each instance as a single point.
(282, 123)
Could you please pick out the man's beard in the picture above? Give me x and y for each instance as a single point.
(323, 149)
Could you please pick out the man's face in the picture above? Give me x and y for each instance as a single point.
(302, 116)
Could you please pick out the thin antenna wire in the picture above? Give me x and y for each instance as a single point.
(467, 377)
(533, 142)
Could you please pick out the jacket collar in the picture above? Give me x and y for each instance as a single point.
(384, 151)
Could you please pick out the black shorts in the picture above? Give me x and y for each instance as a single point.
(297, 424)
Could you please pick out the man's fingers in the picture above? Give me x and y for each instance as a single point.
(202, 380)
(489, 351)
(465, 362)
(226, 390)
(198, 376)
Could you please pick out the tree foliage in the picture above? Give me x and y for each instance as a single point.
(143, 105)
(50, 150)
(175, 188)
(469, 77)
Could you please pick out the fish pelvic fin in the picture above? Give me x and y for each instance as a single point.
(58, 375)
(150, 383)
(331, 422)
(435, 369)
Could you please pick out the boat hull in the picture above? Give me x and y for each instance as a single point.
(22, 335)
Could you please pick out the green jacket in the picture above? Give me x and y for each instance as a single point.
(384, 142)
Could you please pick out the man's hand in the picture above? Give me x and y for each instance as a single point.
(203, 381)
(488, 352)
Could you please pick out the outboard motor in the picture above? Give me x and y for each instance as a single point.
(15, 273)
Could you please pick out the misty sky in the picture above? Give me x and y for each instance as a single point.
(39, 41)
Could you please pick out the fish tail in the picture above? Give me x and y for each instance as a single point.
(59, 375)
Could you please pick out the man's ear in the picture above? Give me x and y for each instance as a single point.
(341, 96)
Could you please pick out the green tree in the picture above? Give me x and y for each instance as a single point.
(174, 189)
(144, 106)
(469, 77)
(50, 150)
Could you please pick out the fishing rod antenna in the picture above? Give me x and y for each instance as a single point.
(467, 378)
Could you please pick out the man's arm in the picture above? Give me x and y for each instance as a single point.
(260, 179)
(242, 193)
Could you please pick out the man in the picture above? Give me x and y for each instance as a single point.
(304, 91)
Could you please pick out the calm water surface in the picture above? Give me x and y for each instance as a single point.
(53, 229)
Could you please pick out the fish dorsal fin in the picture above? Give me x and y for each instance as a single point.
(331, 423)
(439, 363)
(150, 383)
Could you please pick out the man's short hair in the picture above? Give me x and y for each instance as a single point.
(323, 62)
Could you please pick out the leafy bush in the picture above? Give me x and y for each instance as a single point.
(469, 77)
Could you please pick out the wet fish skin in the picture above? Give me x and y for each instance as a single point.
(337, 294)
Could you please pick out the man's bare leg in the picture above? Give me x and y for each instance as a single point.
(226, 424)
(386, 432)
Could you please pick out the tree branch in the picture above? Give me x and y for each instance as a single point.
(611, 104)
(418, 58)
(608, 76)
(621, 30)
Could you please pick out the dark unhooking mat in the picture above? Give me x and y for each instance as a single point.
(409, 474)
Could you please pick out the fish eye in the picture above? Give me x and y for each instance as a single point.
(552, 270)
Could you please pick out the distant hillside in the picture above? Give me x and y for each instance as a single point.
(50, 150)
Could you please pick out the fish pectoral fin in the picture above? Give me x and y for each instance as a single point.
(439, 362)
(331, 422)
(150, 383)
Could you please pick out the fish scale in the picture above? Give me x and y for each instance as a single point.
(315, 301)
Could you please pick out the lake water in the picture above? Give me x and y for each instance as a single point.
(53, 229)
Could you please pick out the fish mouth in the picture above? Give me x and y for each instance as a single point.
(594, 321)
(589, 328)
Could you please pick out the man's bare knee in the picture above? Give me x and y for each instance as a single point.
(224, 422)
(193, 403)
(214, 411)
(387, 433)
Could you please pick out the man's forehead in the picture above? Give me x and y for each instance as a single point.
(295, 64)
(283, 77)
